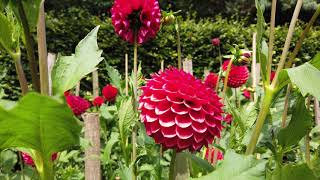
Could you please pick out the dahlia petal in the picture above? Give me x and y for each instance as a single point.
(184, 143)
(192, 105)
(198, 137)
(149, 106)
(170, 142)
(174, 98)
(199, 127)
(197, 116)
(162, 107)
(184, 133)
(179, 109)
(169, 132)
(166, 120)
(183, 121)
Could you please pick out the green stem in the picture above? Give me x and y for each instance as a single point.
(20, 73)
(264, 110)
(178, 43)
(135, 89)
(29, 46)
(172, 165)
(21, 165)
(44, 166)
(271, 38)
(181, 167)
(225, 86)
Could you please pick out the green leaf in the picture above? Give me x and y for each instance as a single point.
(200, 164)
(293, 172)
(316, 61)
(114, 76)
(300, 124)
(238, 167)
(31, 8)
(114, 138)
(39, 123)
(9, 32)
(69, 70)
(127, 118)
(6, 104)
(305, 78)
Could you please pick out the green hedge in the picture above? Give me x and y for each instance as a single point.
(66, 28)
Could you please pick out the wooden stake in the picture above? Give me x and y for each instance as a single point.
(162, 65)
(50, 62)
(254, 66)
(92, 154)
(42, 51)
(317, 111)
(95, 83)
(187, 66)
(127, 74)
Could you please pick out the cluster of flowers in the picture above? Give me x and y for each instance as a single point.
(80, 105)
(27, 159)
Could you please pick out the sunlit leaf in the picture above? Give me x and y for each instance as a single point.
(114, 76)
(293, 172)
(69, 70)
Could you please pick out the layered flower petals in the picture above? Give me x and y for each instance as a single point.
(189, 114)
(238, 75)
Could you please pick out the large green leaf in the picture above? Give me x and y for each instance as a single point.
(306, 77)
(293, 172)
(39, 123)
(238, 167)
(114, 76)
(127, 118)
(9, 32)
(299, 126)
(69, 70)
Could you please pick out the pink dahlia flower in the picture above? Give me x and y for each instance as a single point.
(246, 93)
(98, 101)
(215, 42)
(228, 118)
(179, 111)
(211, 151)
(211, 81)
(27, 159)
(77, 104)
(238, 75)
(136, 17)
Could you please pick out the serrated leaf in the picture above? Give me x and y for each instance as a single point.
(293, 172)
(238, 167)
(69, 70)
(39, 123)
(114, 138)
(114, 76)
(127, 118)
(300, 124)
(9, 32)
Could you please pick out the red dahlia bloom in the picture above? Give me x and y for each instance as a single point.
(247, 94)
(27, 159)
(228, 118)
(77, 104)
(272, 75)
(179, 111)
(110, 93)
(211, 151)
(98, 101)
(238, 75)
(136, 17)
(215, 41)
(211, 80)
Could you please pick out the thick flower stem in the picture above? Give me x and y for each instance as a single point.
(135, 89)
(264, 110)
(225, 85)
(181, 167)
(29, 46)
(20, 73)
(172, 165)
(178, 43)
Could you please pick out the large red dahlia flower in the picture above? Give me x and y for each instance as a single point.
(77, 104)
(238, 75)
(179, 111)
(136, 17)
(211, 81)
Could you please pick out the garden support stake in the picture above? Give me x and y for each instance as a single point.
(92, 153)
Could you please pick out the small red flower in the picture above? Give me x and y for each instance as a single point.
(211, 80)
(98, 101)
(136, 17)
(228, 119)
(247, 94)
(211, 151)
(215, 41)
(27, 159)
(238, 75)
(77, 104)
(272, 75)
(179, 111)
(110, 93)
